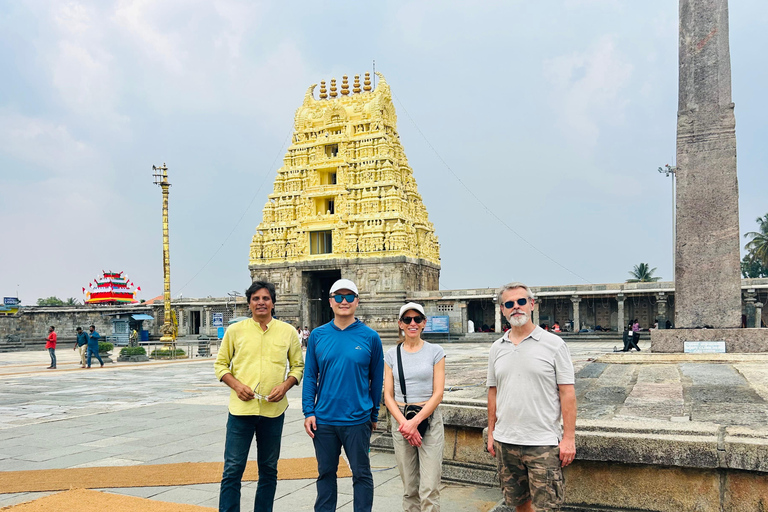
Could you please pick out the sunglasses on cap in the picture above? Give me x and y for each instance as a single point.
(340, 297)
(408, 319)
(511, 303)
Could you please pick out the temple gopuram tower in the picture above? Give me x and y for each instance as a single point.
(345, 204)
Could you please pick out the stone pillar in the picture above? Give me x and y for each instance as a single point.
(661, 310)
(207, 321)
(575, 300)
(749, 308)
(707, 259)
(536, 306)
(758, 314)
(622, 322)
(497, 319)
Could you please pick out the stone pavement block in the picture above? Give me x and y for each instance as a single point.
(185, 494)
(6, 500)
(712, 374)
(657, 373)
(109, 462)
(40, 455)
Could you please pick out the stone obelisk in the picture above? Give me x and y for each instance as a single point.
(707, 265)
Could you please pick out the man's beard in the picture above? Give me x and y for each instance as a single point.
(518, 320)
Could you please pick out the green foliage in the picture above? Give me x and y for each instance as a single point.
(133, 351)
(50, 301)
(757, 247)
(166, 353)
(105, 346)
(642, 273)
(72, 302)
(752, 268)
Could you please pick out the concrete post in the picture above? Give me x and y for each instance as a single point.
(622, 322)
(661, 310)
(575, 300)
(749, 307)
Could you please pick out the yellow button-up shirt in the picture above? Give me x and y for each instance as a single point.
(259, 359)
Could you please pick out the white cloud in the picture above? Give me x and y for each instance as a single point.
(587, 91)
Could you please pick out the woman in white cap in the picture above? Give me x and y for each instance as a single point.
(414, 378)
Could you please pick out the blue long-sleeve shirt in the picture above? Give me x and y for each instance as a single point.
(343, 375)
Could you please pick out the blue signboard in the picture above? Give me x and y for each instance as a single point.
(11, 301)
(437, 324)
(218, 319)
(220, 333)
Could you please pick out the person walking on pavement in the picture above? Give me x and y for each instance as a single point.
(81, 344)
(254, 357)
(530, 388)
(93, 346)
(414, 378)
(50, 344)
(341, 395)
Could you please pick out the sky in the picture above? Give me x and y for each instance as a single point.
(534, 130)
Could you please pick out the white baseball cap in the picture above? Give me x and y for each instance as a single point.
(343, 284)
(409, 306)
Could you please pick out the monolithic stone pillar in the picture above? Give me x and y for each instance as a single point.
(749, 307)
(661, 310)
(575, 300)
(621, 320)
(208, 329)
(497, 319)
(536, 307)
(758, 314)
(707, 266)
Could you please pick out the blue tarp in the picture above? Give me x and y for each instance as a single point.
(142, 317)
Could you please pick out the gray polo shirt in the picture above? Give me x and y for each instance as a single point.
(526, 377)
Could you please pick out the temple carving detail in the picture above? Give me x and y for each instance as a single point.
(345, 189)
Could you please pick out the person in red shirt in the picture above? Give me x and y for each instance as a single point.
(50, 344)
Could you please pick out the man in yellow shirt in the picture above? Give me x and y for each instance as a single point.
(253, 359)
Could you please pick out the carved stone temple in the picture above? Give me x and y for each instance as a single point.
(345, 204)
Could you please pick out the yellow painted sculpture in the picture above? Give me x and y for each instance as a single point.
(345, 189)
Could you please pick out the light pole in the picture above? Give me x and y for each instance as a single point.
(668, 171)
(169, 327)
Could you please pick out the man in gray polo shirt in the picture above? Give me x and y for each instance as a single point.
(530, 388)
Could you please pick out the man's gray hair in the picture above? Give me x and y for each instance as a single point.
(512, 286)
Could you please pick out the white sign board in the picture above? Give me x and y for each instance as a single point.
(704, 347)
(218, 320)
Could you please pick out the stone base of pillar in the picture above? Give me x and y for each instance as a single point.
(736, 340)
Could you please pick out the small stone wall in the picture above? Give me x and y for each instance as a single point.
(736, 340)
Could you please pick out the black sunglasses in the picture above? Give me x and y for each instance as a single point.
(408, 319)
(340, 298)
(511, 303)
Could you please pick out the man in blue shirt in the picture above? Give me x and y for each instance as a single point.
(82, 345)
(93, 346)
(343, 376)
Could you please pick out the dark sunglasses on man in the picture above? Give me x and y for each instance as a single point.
(511, 303)
(339, 298)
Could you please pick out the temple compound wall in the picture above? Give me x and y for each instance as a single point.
(345, 205)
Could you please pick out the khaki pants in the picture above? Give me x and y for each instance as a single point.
(420, 468)
(82, 349)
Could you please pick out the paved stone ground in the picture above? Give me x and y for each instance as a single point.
(167, 412)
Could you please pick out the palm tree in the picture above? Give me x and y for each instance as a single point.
(71, 302)
(642, 273)
(757, 247)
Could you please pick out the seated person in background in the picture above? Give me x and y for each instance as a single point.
(556, 327)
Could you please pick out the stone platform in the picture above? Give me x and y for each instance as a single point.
(736, 340)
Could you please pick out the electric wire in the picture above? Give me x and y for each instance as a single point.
(487, 209)
(266, 175)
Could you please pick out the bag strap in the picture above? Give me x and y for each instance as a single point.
(400, 372)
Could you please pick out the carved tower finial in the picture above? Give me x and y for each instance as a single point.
(367, 82)
(344, 85)
(323, 91)
(356, 85)
(333, 88)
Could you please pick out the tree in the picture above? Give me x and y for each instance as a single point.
(72, 302)
(50, 301)
(643, 273)
(752, 268)
(757, 247)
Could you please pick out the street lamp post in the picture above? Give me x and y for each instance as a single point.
(160, 175)
(668, 171)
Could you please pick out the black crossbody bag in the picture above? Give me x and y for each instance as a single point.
(410, 410)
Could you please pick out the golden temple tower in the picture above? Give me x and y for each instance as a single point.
(345, 204)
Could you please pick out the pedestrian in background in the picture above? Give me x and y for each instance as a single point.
(414, 379)
(81, 344)
(93, 346)
(50, 344)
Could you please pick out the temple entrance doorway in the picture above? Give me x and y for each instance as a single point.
(194, 322)
(318, 285)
